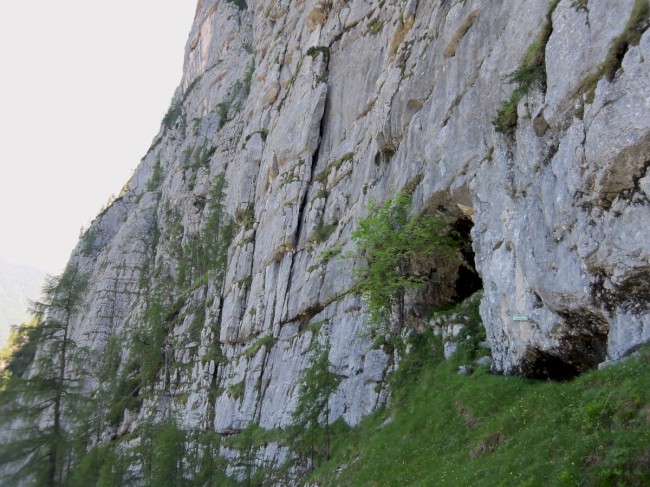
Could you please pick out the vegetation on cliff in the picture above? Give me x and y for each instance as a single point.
(446, 428)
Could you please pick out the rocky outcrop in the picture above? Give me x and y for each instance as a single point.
(309, 110)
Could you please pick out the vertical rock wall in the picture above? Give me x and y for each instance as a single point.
(311, 110)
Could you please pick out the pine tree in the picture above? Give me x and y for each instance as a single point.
(33, 403)
(319, 383)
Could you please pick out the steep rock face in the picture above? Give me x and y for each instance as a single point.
(312, 109)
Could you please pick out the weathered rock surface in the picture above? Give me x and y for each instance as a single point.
(312, 109)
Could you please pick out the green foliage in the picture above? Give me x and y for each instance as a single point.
(18, 353)
(156, 177)
(198, 320)
(323, 232)
(204, 156)
(173, 113)
(310, 435)
(386, 240)
(506, 119)
(223, 109)
(473, 332)
(237, 95)
(446, 429)
(315, 50)
(204, 258)
(532, 69)
(267, 342)
(113, 471)
(254, 436)
(42, 447)
(325, 256)
(240, 4)
(248, 77)
(219, 229)
(146, 345)
(631, 36)
(98, 467)
(168, 451)
(236, 391)
(322, 176)
(88, 242)
(375, 26)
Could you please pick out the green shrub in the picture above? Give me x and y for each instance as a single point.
(156, 177)
(315, 50)
(323, 232)
(267, 341)
(532, 69)
(375, 26)
(386, 239)
(173, 113)
(240, 4)
(631, 35)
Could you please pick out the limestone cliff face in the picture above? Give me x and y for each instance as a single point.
(312, 109)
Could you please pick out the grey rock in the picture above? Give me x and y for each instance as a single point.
(449, 349)
(557, 207)
(484, 361)
(465, 370)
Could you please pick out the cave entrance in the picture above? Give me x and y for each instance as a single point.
(450, 280)
(468, 280)
(580, 348)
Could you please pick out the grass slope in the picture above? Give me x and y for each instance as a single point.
(482, 429)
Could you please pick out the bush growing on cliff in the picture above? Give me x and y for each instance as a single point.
(240, 4)
(386, 240)
(532, 69)
(173, 113)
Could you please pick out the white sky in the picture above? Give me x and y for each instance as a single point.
(83, 87)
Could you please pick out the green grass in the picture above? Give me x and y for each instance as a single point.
(531, 70)
(323, 232)
(489, 430)
(375, 26)
(631, 35)
(267, 341)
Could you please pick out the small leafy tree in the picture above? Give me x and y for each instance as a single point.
(308, 438)
(387, 239)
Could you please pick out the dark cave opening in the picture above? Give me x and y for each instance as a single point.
(546, 366)
(576, 354)
(468, 280)
(450, 280)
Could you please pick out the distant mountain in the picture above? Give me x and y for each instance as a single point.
(18, 285)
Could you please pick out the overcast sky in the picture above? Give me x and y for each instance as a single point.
(84, 85)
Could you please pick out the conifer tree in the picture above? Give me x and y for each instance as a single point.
(318, 385)
(33, 403)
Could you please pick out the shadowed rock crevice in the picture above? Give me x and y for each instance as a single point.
(468, 280)
(581, 346)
